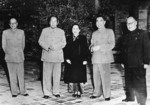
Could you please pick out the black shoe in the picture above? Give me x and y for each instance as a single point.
(57, 95)
(46, 97)
(26, 94)
(14, 96)
(107, 99)
(94, 97)
(78, 95)
(74, 95)
(126, 100)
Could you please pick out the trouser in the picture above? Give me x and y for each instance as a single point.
(51, 78)
(101, 78)
(135, 84)
(16, 75)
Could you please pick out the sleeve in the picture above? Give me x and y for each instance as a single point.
(92, 42)
(23, 42)
(42, 41)
(4, 41)
(86, 51)
(62, 42)
(110, 43)
(67, 48)
(146, 47)
(122, 48)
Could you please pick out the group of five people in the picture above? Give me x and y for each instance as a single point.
(74, 51)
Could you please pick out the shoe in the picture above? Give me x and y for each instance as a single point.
(126, 100)
(14, 96)
(107, 99)
(57, 95)
(78, 94)
(46, 97)
(94, 97)
(26, 94)
(74, 95)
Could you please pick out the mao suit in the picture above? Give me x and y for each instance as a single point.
(13, 44)
(101, 60)
(136, 53)
(52, 42)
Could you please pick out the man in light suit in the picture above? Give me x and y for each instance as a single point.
(13, 44)
(102, 43)
(52, 40)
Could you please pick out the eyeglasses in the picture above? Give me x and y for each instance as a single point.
(13, 23)
(130, 23)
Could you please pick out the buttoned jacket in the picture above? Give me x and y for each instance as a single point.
(135, 49)
(52, 41)
(13, 44)
(106, 41)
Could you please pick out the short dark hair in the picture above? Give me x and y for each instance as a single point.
(75, 24)
(49, 18)
(105, 17)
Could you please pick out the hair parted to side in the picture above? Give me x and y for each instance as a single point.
(105, 17)
(76, 24)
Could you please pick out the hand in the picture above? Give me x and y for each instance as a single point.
(122, 65)
(84, 62)
(95, 48)
(145, 66)
(68, 61)
(51, 47)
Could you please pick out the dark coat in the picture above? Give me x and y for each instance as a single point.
(136, 49)
(76, 51)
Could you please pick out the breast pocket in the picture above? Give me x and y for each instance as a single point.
(19, 40)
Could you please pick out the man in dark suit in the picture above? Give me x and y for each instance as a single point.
(136, 50)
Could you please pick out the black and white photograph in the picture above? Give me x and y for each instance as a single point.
(74, 52)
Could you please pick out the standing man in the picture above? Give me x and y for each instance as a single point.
(13, 44)
(52, 40)
(102, 43)
(136, 57)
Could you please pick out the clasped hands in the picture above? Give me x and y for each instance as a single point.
(95, 48)
(50, 47)
(69, 62)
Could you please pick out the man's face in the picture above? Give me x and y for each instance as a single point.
(53, 22)
(131, 24)
(13, 23)
(100, 22)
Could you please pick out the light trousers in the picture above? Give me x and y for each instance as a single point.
(101, 79)
(16, 75)
(51, 78)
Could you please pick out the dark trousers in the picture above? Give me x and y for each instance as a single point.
(135, 84)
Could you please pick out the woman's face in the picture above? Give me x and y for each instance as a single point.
(75, 30)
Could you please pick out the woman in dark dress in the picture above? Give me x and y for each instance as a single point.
(76, 54)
